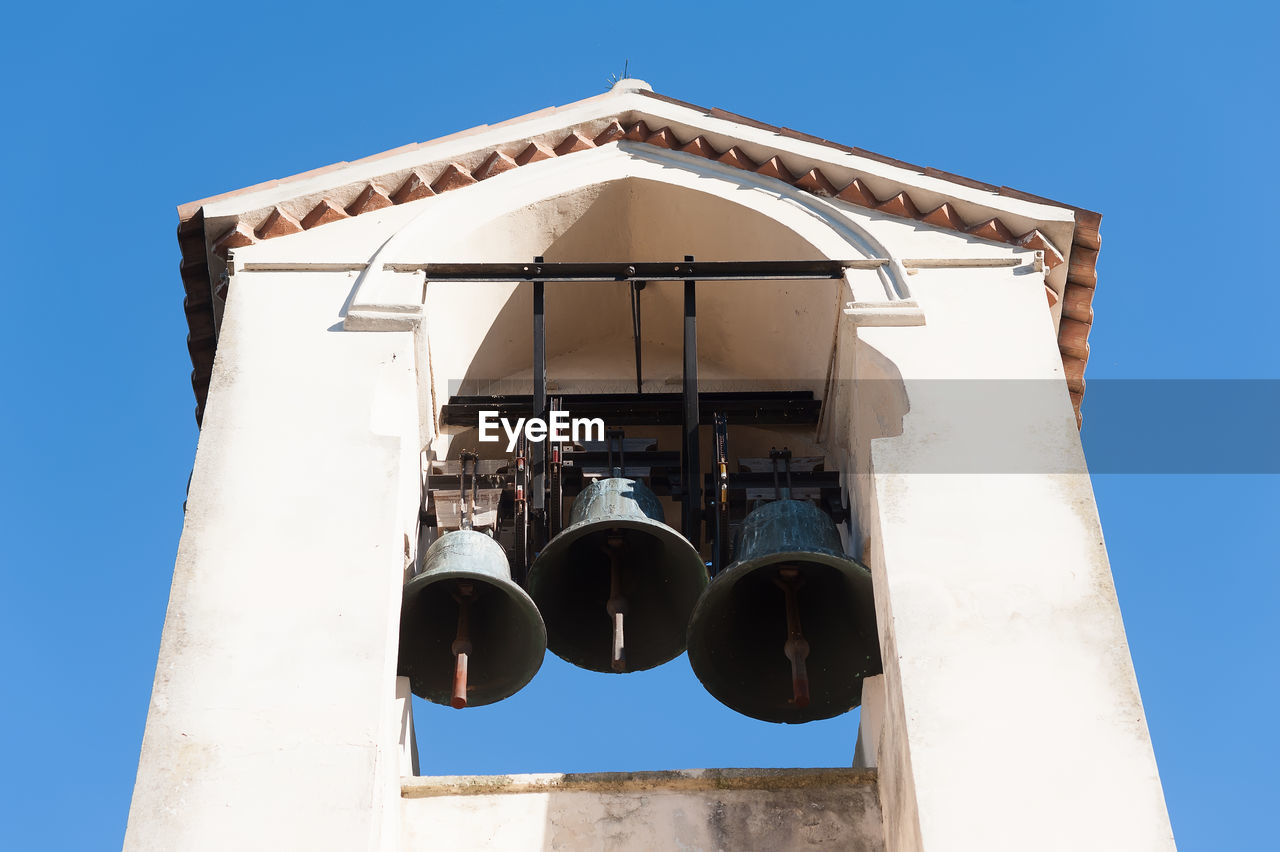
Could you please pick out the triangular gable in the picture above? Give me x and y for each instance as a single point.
(213, 227)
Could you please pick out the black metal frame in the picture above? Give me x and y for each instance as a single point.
(713, 270)
(538, 481)
(760, 408)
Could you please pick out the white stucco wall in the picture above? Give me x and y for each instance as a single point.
(699, 810)
(272, 717)
(1011, 717)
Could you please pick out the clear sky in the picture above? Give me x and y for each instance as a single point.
(1160, 115)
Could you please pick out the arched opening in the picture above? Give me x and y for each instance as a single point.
(752, 335)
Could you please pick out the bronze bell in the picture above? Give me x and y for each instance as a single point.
(469, 635)
(788, 631)
(616, 586)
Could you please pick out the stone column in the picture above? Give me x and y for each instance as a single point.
(272, 721)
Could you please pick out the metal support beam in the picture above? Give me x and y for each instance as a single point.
(716, 270)
(538, 488)
(692, 469)
(520, 477)
(636, 287)
(555, 481)
(756, 408)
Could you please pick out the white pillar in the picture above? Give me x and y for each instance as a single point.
(870, 723)
(272, 719)
(1013, 720)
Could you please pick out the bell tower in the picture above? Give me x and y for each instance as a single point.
(622, 381)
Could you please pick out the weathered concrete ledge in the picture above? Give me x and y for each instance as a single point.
(678, 780)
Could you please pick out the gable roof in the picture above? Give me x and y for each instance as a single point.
(211, 228)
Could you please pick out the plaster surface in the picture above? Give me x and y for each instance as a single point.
(1010, 715)
(693, 810)
(272, 717)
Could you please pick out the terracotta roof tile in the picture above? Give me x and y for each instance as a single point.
(1087, 225)
(816, 182)
(454, 176)
(1074, 368)
(575, 141)
(1077, 302)
(1073, 338)
(637, 132)
(944, 216)
(496, 164)
(415, 187)
(234, 238)
(612, 133)
(277, 224)
(1083, 265)
(1033, 239)
(963, 181)
(899, 205)
(715, 112)
(807, 137)
(369, 199)
(664, 138)
(1081, 275)
(857, 193)
(734, 157)
(534, 152)
(774, 168)
(992, 229)
(1051, 295)
(701, 147)
(324, 213)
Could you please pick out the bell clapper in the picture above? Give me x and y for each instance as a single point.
(796, 647)
(617, 605)
(461, 647)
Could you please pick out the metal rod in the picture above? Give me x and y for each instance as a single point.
(636, 287)
(521, 531)
(538, 496)
(470, 495)
(720, 558)
(786, 465)
(733, 270)
(461, 647)
(650, 409)
(555, 510)
(796, 647)
(780, 492)
(692, 473)
(617, 604)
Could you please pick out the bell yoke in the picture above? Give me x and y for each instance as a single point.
(778, 621)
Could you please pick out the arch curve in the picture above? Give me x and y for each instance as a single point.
(445, 230)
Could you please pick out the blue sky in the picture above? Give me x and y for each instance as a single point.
(1162, 116)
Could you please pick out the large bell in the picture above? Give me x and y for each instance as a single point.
(468, 634)
(788, 631)
(616, 586)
